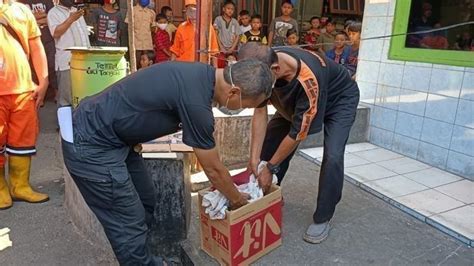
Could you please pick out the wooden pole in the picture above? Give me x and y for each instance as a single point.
(197, 31)
(205, 23)
(131, 37)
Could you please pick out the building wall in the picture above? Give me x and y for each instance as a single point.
(422, 110)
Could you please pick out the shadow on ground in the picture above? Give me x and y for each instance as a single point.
(367, 231)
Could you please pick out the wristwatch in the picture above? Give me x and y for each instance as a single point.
(274, 169)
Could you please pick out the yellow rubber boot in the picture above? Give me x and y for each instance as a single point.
(5, 198)
(19, 173)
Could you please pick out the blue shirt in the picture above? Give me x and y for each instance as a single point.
(343, 59)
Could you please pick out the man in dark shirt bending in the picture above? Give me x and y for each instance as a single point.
(310, 91)
(148, 104)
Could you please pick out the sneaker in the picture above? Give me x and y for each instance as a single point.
(317, 233)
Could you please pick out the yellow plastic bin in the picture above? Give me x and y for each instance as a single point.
(95, 68)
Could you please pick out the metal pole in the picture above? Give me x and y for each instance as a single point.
(131, 37)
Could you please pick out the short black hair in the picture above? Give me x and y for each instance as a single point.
(160, 16)
(244, 13)
(340, 32)
(291, 32)
(256, 16)
(165, 9)
(150, 54)
(228, 2)
(355, 27)
(287, 2)
(329, 20)
(313, 18)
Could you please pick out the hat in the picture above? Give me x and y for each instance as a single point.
(190, 2)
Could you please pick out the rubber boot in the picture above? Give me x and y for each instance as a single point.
(5, 198)
(19, 173)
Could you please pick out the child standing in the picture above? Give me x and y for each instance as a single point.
(228, 31)
(354, 36)
(168, 13)
(280, 25)
(244, 20)
(292, 38)
(162, 40)
(326, 40)
(340, 53)
(255, 34)
(313, 34)
(146, 59)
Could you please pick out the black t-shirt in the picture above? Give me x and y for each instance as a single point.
(151, 103)
(41, 6)
(304, 101)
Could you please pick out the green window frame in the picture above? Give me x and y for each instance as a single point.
(398, 51)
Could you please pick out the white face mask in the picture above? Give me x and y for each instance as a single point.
(225, 109)
(162, 26)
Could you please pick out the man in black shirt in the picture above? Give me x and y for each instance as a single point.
(148, 104)
(310, 91)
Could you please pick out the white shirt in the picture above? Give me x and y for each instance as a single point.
(244, 29)
(76, 35)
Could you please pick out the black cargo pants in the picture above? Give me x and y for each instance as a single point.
(123, 201)
(338, 119)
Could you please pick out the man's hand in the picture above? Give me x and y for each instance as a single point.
(265, 180)
(38, 95)
(220, 176)
(73, 16)
(241, 202)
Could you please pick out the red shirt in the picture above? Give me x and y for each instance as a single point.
(162, 42)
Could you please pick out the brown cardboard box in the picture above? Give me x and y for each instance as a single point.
(246, 234)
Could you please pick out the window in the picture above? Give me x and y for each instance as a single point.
(349, 7)
(453, 46)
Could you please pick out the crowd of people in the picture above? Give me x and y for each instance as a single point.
(61, 24)
(228, 33)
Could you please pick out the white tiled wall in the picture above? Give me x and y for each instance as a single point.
(422, 110)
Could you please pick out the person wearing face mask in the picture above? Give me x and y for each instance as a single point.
(153, 102)
(144, 22)
(184, 45)
(162, 40)
(310, 91)
(106, 21)
(168, 13)
(68, 28)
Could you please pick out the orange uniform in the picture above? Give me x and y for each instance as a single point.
(184, 43)
(18, 115)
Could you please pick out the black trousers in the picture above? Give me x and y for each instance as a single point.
(338, 120)
(123, 203)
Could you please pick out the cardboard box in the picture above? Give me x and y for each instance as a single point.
(246, 234)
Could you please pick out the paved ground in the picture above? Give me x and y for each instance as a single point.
(42, 234)
(367, 230)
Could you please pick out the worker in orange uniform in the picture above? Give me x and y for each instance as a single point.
(184, 46)
(20, 99)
